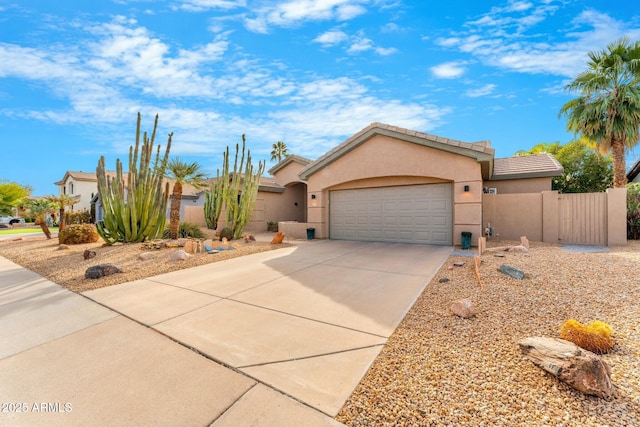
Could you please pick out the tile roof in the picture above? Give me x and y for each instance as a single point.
(284, 162)
(533, 166)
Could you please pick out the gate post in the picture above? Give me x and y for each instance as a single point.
(616, 217)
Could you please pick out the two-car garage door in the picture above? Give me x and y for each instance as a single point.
(408, 214)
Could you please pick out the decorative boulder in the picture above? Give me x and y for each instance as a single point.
(145, 256)
(101, 270)
(463, 308)
(179, 255)
(87, 254)
(581, 369)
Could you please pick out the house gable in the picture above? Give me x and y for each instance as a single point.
(481, 152)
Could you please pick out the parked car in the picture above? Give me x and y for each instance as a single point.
(8, 221)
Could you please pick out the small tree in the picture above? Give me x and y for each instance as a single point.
(240, 189)
(182, 173)
(11, 196)
(61, 202)
(135, 206)
(40, 208)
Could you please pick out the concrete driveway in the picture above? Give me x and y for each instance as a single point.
(306, 320)
(293, 331)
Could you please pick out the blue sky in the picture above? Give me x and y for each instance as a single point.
(74, 74)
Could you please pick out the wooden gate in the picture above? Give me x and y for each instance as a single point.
(583, 218)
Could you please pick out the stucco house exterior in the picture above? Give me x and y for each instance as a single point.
(392, 184)
(82, 185)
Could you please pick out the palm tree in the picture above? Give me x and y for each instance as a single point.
(61, 202)
(279, 151)
(40, 208)
(607, 110)
(182, 173)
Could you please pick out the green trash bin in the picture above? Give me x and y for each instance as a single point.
(311, 233)
(466, 240)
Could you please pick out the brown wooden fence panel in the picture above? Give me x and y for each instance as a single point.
(582, 218)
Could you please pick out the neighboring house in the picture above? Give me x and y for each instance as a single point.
(83, 185)
(634, 172)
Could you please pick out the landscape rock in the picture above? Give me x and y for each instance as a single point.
(101, 270)
(87, 254)
(180, 255)
(519, 249)
(458, 263)
(443, 280)
(512, 271)
(524, 241)
(188, 247)
(581, 369)
(463, 308)
(146, 256)
(62, 247)
(249, 238)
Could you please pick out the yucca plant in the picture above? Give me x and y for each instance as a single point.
(595, 336)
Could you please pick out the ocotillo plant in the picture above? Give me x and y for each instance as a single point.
(240, 189)
(135, 206)
(213, 202)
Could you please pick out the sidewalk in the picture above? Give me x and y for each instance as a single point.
(65, 360)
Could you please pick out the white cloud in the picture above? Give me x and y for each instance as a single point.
(501, 39)
(294, 12)
(331, 38)
(481, 91)
(448, 70)
(202, 5)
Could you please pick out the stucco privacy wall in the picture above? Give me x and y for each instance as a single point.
(386, 161)
(537, 216)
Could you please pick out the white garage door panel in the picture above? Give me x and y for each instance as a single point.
(410, 214)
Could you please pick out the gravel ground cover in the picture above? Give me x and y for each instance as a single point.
(67, 267)
(441, 370)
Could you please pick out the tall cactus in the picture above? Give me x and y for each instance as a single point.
(240, 189)
(213, 202)
(135, 210)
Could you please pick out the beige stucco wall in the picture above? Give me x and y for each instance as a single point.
(289, 173)
(514, 215)
(518, 186)
(385, 161)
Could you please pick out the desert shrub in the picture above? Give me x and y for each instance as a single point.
(595, 336)
(186, 229)
(633, 211)
(226, 233)
(77, 217)
(76, 234)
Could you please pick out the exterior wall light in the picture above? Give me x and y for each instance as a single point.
(466, 188)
